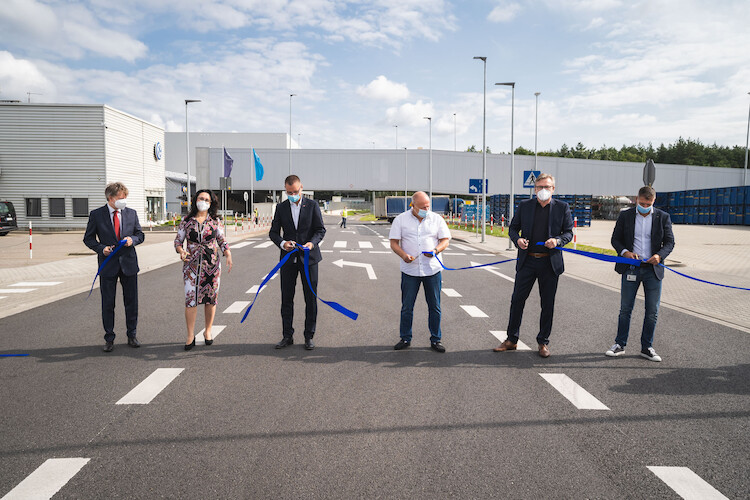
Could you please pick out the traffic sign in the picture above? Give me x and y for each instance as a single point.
(475, 186)
(649, 173)
(529, 177)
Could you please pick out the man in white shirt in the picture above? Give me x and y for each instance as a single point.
(413, 233)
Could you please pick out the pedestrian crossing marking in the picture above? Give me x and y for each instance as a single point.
(265, 244)
(241, 244)
(365, 244)
(474, 312)
(573, 392)
(151, 386)
(502, 336)
(687, 483)
(463, 247)
(215, 331)
(37, 283)
(386, 244)
(237, 307)
(454, 253)
(47, 479)
(450, 292)
(16, 290)
(339, 244)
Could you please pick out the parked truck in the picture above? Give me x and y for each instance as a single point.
(391, 206)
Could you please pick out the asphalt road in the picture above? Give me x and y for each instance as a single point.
(354, 418)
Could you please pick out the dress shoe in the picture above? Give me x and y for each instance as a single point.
(109, 346)
(507, 345)
(286, 341)
(209, 341)
(402, 344)
(309, 345)
(190, 345)
(133, 342)
(437, 346)
(543, 351)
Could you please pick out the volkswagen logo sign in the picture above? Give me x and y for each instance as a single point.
(158, 152)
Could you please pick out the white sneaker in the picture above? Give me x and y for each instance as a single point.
(650, 354)
(615, 351)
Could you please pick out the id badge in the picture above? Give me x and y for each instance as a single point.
(631, 274)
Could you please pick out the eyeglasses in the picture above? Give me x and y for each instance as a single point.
(291, 193)
(544, 187)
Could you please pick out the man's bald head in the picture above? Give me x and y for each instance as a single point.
(420, 201)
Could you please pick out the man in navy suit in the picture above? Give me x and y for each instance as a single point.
(641, 232)
(297, 221)
(107, 226)
(541, 220)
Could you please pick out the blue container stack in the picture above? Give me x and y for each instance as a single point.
(580, 206)
(721, 206)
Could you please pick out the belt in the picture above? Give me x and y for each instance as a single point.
(538, 255)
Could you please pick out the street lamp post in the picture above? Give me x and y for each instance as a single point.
(299, 139)
(747, 140)
(484, 150)
(512, 86)
(187, 148)
(455, 134)
(429, 118)
(406, 177)
(396, 127)
(290, 132)
(536, 128)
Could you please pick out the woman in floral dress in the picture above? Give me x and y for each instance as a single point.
(203, 235)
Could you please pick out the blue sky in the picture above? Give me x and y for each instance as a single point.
(610, 72)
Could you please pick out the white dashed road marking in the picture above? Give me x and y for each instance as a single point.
(493, 271)
(462, 247)
(365, 244)
(216, 330)
(265, 244)
(147, 390)
(37, 283)
(687, 483)
(386, 244)
(573, 392)
(241, 244)
(339, 244)
(450, 292)
(502, 336)
(237, 307)
(16, 290)
(474, 312)
(47, 479)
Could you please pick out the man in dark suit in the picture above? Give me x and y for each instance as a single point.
(538, 220)
(297, 220)
(107, 226)
(640, 232)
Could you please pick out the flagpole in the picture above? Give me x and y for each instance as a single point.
(252, 179)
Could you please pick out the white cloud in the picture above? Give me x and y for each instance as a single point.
(504, 12)
(18, 76)
(410, 114)
(383, 89)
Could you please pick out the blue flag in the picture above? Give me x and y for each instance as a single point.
(228, 162)
(258, 167)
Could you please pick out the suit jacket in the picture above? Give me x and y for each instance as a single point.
(662, 237)
(560, 226)
(309, 228)
(100, 233)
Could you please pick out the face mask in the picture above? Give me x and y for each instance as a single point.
(544, 195)
(203, 206)
(423, 213)
(644, 210)
(294, 198)
(120, 204)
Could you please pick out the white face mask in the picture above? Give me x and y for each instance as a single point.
(202, 206)
(120, 204)
(544, 195)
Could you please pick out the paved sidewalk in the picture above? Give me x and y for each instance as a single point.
(711, 253)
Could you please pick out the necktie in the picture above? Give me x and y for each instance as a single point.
(116, 221)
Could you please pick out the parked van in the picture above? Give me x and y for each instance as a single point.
(8, 220)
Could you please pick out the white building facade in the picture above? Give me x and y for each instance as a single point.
(56, 160)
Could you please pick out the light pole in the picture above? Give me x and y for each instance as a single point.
(429, 118)
(187, 148)
(454, 132)
(512, 86)
(536, 128)
(747, 140)
(290, 132)
(406, 177)
(299, 139)
(396, 127)
(484, 149)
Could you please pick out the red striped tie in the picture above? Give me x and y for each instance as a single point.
(116, 221)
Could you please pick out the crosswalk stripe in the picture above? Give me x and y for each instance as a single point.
(146, 391)
(254, 289)
(463, 247)
(265, 244)
(16, 290)
(237, 307)
(386, 244)
(215, 331)
(483, 254)
(454, 253)
(339, 244)
(687, 483)
(326, 251)
(3, 297)
(450, 292)
(365, 244)
(36, 283)
(474, 312)
(502, 336)
(241, 244)
(378, 251)
(47, 479)
(351, 251)
(573, 392)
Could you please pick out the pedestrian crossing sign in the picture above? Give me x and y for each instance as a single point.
(529, 177)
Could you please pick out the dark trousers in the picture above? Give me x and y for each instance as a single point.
(409, 288)
(533, 269)
(108, 288)
(343, 222)
(289, 273)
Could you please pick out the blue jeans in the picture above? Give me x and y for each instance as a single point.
(409, 288)
(652, 290)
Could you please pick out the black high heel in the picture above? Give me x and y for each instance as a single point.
(209, 341)
(190, 345)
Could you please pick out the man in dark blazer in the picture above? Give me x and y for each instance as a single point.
(644, 233)
(107, 226)
(541, 220)
(297, 221)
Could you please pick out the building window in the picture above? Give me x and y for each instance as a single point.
(57, 207)
(80, 207)
(33, 207)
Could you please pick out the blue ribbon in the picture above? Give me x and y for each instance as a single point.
(334, 305)
(635, 262)
(432, 254)
(119, 246)
(12, 355)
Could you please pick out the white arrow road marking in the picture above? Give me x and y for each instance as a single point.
(502, 336)
(370, 272)
(493, 271)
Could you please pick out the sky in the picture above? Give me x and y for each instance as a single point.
(367, 72)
